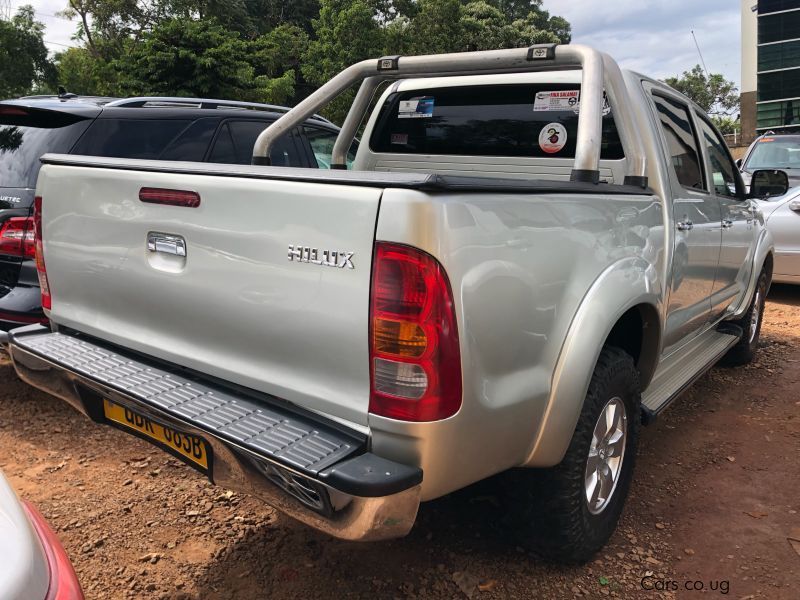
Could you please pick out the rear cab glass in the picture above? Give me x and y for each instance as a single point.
(514, 120)
(27, 134)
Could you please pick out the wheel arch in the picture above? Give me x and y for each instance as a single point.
(621, 307)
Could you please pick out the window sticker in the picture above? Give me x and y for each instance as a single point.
(552, 138)
(563, 100)
(416, 108)
(399, 138)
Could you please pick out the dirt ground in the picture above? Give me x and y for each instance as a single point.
(712, 511)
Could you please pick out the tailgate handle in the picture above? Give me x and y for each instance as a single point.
(166, 243)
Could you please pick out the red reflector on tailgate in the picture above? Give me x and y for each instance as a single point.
(170, 197)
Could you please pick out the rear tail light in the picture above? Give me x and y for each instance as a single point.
(47, 301)
(414, 354)
(16, 237)
(64, 583)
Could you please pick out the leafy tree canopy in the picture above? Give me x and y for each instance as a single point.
(276, 50)
(713, 93)
(24, 66)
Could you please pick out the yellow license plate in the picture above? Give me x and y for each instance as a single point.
(188, 446)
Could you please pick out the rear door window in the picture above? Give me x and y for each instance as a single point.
(235, 140)
(681, 141)
(27, 134)
(519, 120)
(130, 138)
(193, 143)
(322, 142)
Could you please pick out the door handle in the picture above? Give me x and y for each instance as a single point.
(685, 225)
(727, 223)
(166, 243)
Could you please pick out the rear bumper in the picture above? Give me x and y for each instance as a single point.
(314, 471)
(20, 305)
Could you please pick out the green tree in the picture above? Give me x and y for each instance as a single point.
(727, 125)
(437, 27)
(182, 57)
(24, 65)
(713, 93)
(345, 33)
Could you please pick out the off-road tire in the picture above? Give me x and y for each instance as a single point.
(745, 350)
(562, 528)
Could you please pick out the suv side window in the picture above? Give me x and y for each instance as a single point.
(321, 142)
(193, 143)
(681, 140)
(235, 141)
(723, 169)
(129, 138)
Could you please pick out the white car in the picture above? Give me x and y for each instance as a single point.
(782, 215)
(34, 564)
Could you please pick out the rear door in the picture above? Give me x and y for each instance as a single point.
(25, 134)
(696, 223)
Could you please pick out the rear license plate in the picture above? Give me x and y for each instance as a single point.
(189, 447)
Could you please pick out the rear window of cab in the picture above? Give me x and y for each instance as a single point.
(513, 120)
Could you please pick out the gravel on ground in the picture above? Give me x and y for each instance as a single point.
(713, 510)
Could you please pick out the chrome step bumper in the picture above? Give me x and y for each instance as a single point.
(315, 471)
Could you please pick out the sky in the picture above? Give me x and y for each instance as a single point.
(651, 36)
(654, 36)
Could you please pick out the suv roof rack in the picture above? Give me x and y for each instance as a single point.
(99, 100)
(202, 103)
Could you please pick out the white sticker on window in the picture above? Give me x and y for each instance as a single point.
(415, 108)
(561, 100)
(552, 138)
(564, 100)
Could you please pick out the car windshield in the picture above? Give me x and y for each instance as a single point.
(775, 153)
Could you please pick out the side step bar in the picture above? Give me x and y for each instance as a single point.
(316, 471)
(676, 374)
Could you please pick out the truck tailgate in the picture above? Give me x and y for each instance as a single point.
(235, 306)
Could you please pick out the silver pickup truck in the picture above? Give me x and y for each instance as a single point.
(532, 254)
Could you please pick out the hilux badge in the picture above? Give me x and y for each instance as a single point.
(327, 258)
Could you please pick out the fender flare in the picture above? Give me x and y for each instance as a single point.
(622, 286)
(764, 247)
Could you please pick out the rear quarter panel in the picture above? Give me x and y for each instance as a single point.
(520, 266)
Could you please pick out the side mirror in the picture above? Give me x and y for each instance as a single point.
(767, 183)
(739, 163)
(795, 205)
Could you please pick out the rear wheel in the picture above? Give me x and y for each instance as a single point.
(745, 350)
(575, 506)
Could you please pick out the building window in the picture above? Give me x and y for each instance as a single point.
(779, 114)
(779, 85)
(774, 28)
(779, 56)
(770, 6)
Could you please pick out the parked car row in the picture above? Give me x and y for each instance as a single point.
(782, 211)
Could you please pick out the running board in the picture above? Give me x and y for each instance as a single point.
(683, 368)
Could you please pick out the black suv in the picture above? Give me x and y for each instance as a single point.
(156, 128)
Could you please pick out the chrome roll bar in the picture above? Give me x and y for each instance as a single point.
(599, 72)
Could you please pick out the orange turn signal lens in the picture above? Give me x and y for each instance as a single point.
(399, 338)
